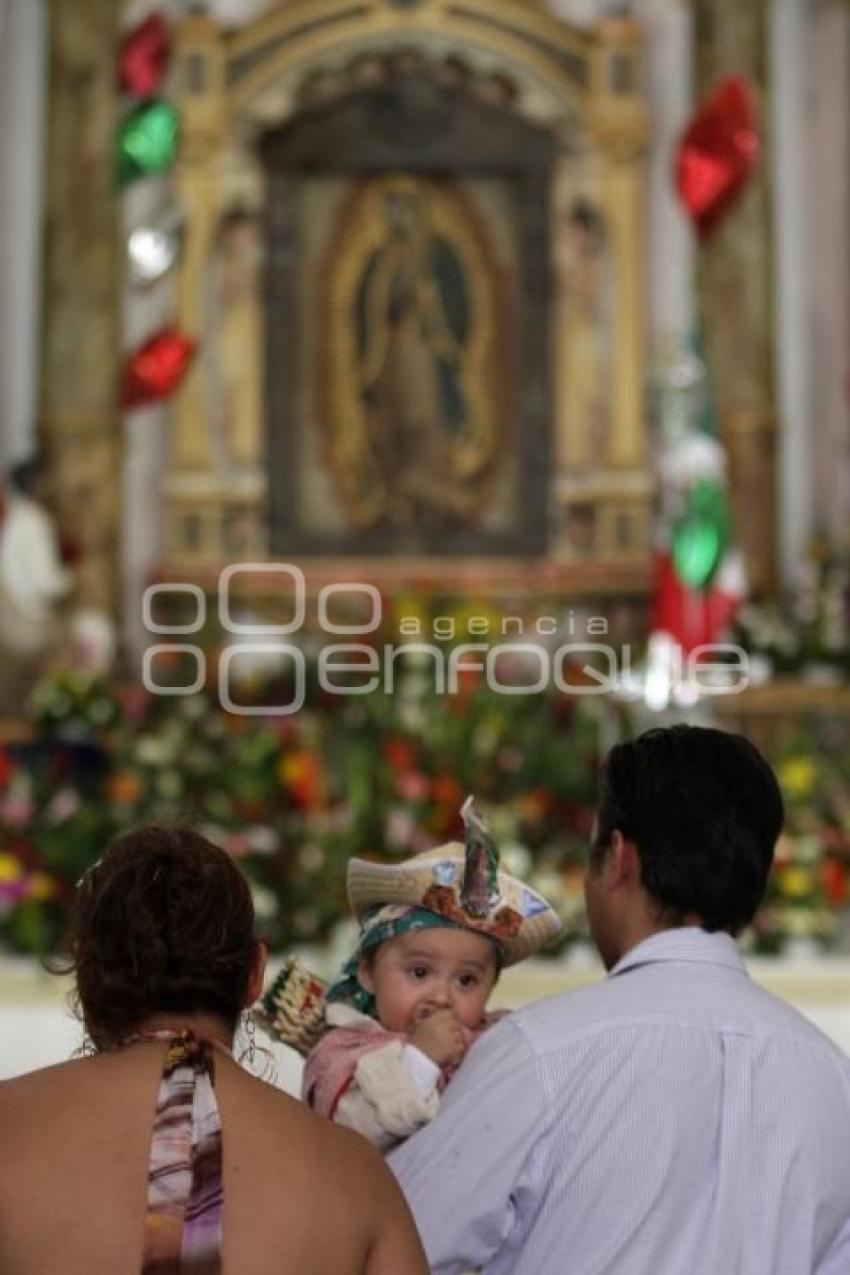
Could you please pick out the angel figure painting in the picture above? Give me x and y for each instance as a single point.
(233, 348)
(589, 331)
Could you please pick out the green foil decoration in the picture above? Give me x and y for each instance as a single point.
(147, 140)
(701, 535)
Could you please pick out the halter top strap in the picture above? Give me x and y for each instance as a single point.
(183, 1226)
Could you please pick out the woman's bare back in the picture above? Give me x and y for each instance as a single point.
(300, 1195)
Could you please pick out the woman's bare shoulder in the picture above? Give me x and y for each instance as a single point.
(332, 1149)
(280, 1108)
(32, 1101)
(16, 1091)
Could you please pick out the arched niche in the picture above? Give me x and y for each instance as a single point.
(499, 91)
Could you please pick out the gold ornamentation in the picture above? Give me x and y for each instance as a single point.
(587, 82)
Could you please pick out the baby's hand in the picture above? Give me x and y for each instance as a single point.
(441, 1037)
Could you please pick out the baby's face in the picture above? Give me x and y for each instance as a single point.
(418, 973)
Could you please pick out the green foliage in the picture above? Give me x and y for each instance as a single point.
(293, 797)
(381, 775)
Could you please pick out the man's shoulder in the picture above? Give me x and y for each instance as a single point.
(565, 1016)
(571, 1019)
(655, 998)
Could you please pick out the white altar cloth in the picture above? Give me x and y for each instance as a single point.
(37, 1028)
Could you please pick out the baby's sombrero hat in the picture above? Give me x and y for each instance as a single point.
(461, 883)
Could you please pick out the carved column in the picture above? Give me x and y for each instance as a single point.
(735, 276)
(619, 123)
(826, 161)
(80, 421)
(199, 84)
(195, 503)
(23, 94)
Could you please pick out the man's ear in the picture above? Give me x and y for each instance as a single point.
(254, 990)
(624, 860)
(365, 976)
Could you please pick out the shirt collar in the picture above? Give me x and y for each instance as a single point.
(685, 943)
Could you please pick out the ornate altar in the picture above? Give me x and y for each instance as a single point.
(413, 263)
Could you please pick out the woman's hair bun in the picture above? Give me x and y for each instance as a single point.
(163, 922)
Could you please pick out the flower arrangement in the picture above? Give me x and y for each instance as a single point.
(293, 797)
(810, 882)
(383, 775)
(810, 631)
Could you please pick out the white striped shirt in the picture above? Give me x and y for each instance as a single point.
(674, 1119)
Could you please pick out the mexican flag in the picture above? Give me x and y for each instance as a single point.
(697, 616)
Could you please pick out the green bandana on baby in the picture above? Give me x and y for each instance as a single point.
(381, 923)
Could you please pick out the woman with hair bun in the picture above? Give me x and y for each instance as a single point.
(158, 1153)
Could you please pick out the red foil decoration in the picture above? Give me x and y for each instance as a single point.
(694, 617)
(143, 59)
(717, 154)
(157, 368)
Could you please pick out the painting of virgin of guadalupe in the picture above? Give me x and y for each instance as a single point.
(413, 321)
(414, 413)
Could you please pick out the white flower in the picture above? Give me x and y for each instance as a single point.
(151, 751)
(305, 921)
(64, 804)
(411, 715)
(265, 901)
(311, 858)
(194, 707)
(169, 784)
(214, 833)
(399, 827)
(343, 941)
(549, 884)
(262, 839)
(516, 859)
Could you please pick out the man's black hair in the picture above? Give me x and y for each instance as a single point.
(704, 810)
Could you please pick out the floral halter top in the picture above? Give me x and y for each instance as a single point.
(183, 1225)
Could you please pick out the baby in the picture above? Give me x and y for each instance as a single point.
(436, 930)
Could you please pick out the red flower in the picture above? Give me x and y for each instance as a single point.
(400, 754)
(447, 792)
(134, 700)
(412, 785)
(300, 774)
(834, 880)
(467, 681)
(576, 817)
(7, 768)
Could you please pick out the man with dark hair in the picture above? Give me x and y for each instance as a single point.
(700, 812)
(674, 1119)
